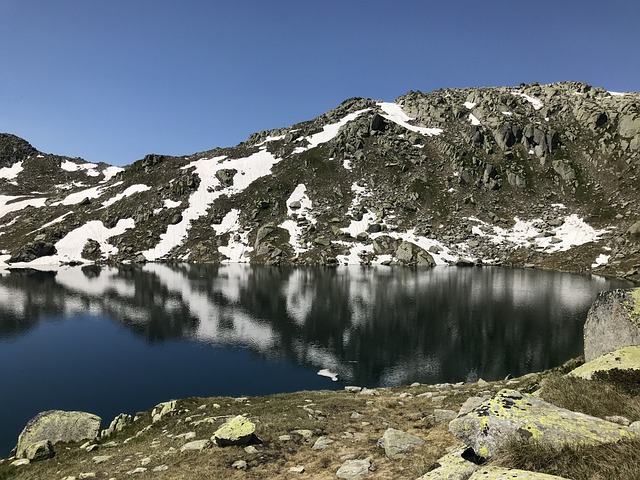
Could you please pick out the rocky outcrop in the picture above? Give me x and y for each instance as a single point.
(14, 149)
(33, 250)
(409, 253)
(514, 415)
(57, 426)
(613, 322)
(117, 425)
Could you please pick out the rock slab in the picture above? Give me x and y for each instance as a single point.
(497, 473)
(613, 322)
(58, 426)
(511, 414)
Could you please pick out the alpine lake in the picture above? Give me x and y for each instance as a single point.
(108, 340)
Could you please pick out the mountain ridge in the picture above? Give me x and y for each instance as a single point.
(543, 175)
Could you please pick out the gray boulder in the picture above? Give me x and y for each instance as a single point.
(397, 443)
(613, 322)
(33, 250)
(39, 451)
(511, 414)
(409, 253)
(634, 230)
(629, 126)
(58, 426)
(354, 469)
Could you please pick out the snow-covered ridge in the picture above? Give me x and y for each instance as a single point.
(10, 173)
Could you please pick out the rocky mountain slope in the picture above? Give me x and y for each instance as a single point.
(544, 175)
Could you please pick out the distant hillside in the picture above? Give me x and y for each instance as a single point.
(543, 175)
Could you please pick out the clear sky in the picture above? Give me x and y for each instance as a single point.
(113, 80)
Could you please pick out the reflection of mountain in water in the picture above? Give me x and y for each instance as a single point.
(372, 326)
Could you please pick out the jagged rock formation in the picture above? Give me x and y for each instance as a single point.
(537, 174)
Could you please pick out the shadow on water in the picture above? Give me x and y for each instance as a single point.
(272, 328)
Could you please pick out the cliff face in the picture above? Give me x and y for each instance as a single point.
(536, 174)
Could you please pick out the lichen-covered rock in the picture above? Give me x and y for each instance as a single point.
(452, 466)
(397, 443)
(498, 473)
(162, 409)
(237, 431)
(627, 358)
(409, 253)
(613, 322)
(511, 414)
(58, 426)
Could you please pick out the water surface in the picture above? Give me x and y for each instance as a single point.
(111, 340)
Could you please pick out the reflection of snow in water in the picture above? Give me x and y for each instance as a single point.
(329, 318)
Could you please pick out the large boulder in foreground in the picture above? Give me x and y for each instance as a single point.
(511, 414)
(613, 322)
(58, 426)
(627, 358)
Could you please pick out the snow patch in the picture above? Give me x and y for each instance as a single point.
(9, 204)
(127, 193)
(395, 114)
(328, 132)
(473, 119)
(10, 173)
(508, 114)
(110, 172)
(537, 104)
(237, 247)
(602, 259)
(168, 203)
(573, 232)
(299, 194)
(469, 105)
(89, 168)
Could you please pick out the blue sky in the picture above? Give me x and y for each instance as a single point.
(114, 80)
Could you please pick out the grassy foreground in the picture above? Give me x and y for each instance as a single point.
(354, 422)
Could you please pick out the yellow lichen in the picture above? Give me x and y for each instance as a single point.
(627, 358)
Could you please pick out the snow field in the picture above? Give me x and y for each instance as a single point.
(394, 113)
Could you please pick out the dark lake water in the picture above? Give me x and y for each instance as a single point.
(122, 339)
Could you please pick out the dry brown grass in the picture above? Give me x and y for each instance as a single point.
(613, 461)
(616, 393)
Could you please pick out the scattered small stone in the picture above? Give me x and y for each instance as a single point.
(160, 468)
(306, 434)
(92, 447)
(239, 465)
(356, 415)
(101, 458)
(297, 469)
(251, 449)
(321, 443)
(145, 461)
(82, 476)
(352, 389)
(22, 461)
(284, 438)
(136, 471)
(189, 435)
(196, 445)
(369, 391)
(415, 384)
